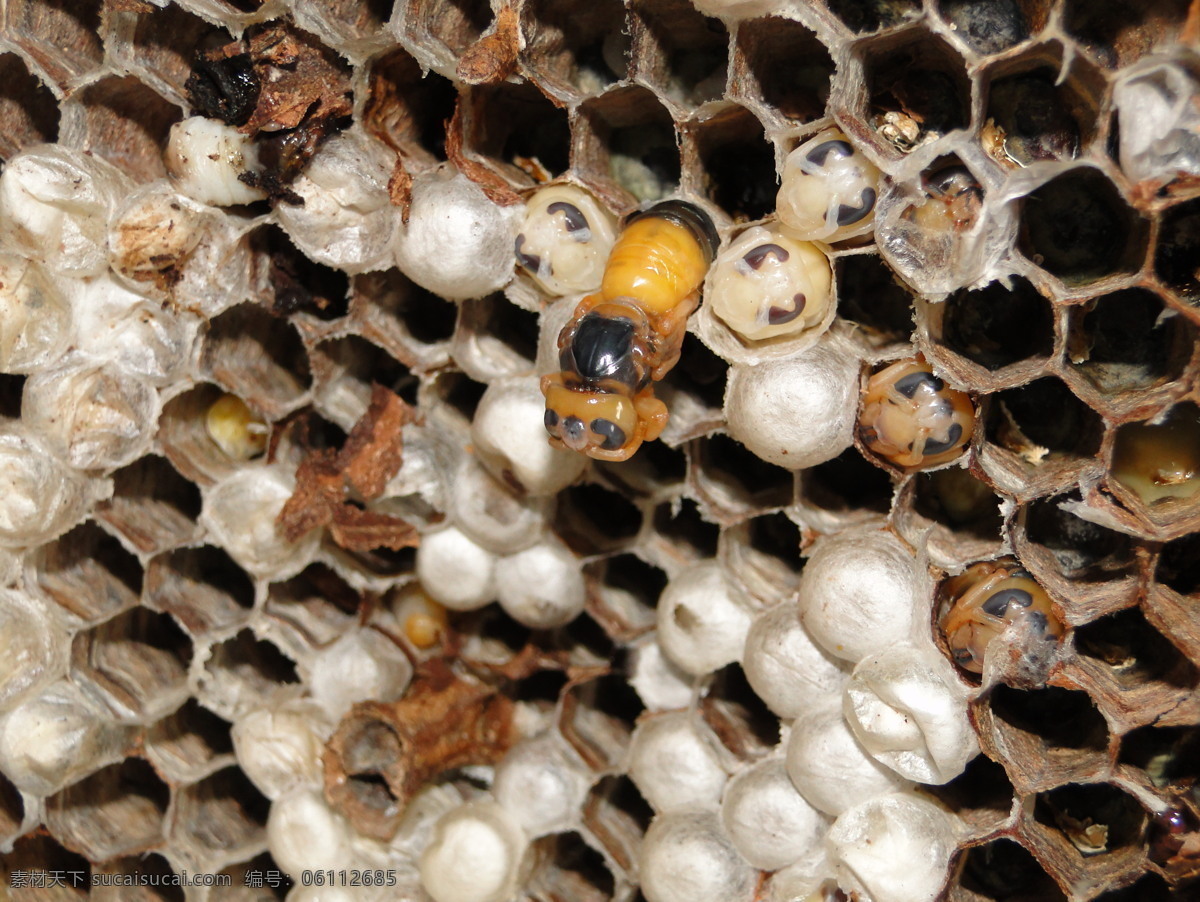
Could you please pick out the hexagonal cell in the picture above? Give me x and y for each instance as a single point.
(847, 485)
(28, 110)
(353, 27)
(1090, 832)
(678, 50)
(1003, 869)
(258, 880)
(918, 89)
(570, 869)
(739, 718)
(40, 852)
(872, 15)
(123, 121)
(1171, 603)
(456, 394)
(136, 664)
(1156, 464)
(457, 24)
(1164, 756)
(992, 26)
(592, 519)
(242, 672)
(288, 282)
(783, 65)
(734, 481)
(1175, 255)
(680, 534)
(258, 358)
(653, 470)
(623, 593)
(626, 136)
(575, 49)
(616, 815)
(408, 109)
(952, 513)
(762, 555)
(1118, 34)
(1179, 565)
(736, 162)
(201, 586)
(870, 297)
(519, 126)
(118, 810)
(382, 562)
(344, 371)
(595, 718)
(409, 322)
(318, 605)
(152, 506)
(221, 816)
(187, 745)
(1078, 228)
(63, 39)
(1044, 737)
(982, 795)
(495, 338)
(185, 439)
(162, 47)
(89, 573)
(118, 881)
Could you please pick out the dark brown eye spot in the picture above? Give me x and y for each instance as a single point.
(572, 215)
(819, 154)
(755, 257)
(909, 384)
(550, 419)
(952, 439)
(614, 435)
(847, 215)
(999, 603)
(531, 262)
(777, 316)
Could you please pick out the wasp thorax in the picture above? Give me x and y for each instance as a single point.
(565, 240)
(912, 419)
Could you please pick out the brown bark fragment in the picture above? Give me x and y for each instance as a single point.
(496, 189)
(493, 57)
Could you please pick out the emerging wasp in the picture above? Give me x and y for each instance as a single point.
(623, 339)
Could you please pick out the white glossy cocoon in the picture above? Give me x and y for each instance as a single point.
(33, 645)
(542, 783)
(702, 626)
(475, 855)
(303, 832)
(768, 821)
(280, 748)
(686, 857)
(674, 763)
(541, 587)
(785, 668)
(362, 665)
(492, 514)
(455, 571)
(40, 497)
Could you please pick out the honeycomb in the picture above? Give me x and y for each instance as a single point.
(224, 658)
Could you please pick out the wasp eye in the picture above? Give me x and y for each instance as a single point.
(551, 420)
(614, 435)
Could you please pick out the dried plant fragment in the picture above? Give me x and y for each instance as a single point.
(495, 187)
(493, 57)
(400, 189)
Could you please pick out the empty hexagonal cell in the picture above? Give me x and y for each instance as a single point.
(571, 869)
(1117, 34)
(654, 469)
(118, 810)
(872, 15)
(495, 338)
(201, 586)
(734, 481)
(518, 125)
(135, 663)
(1079, 228)
(623, 593)
(12, 810)
(736, 162)
(1123, 342)
(595, 717)
(408, 109)
(592, 519)
(288, 282)
(1090, 831)
(992, 26)
(577, 49)
(344, 371)
(616, 816)
(187, 745)
(244, 672)
(678, 50)
(123, 121)
(954, 514)
(318, 605)
(120, 880)
(1171, 603)
(846, 486)
(403, 318)
(1001, 870)
(221, 816)
(89, 573)
(918, 89)
(258, 358)
(63, 39)
(1179, 566)
(873, 300)
(457, 394)
(28, 110)
(259, 879)
(762, 555)
(694, 391)
(783, 65)
(1044, 737)
(457, 25)
(40, 852)
(1176, 250)
(739, 718)
(1163, 756)
(681, 534)
(982, 795)
(162, 47)
(626, 136)
(152, 506)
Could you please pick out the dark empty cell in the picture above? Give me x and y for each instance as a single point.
(202, 586)
(871, 15)
(1118, 32)
(12, 807)
(260, 869)
(152, 505)
(407, 109)
(383, 561)
(1046, 414)
(138, 660)
(751, 478)
(12, 387)
(790, 68)
(917, 90)
(256, 662)
(575, 869)
(681, 521)
(1096, 818)
(190, 738)
(364, 362)
(513, 326)
(612, 695)
(699, 373)
(591, 519)
(460, 392)
(153, 870)
(1061, 718)
(1039, 118)
(627, 135)
(986, 26)
(1167, 755)
(318, 602)
(1134, 651)
(61, 36)
(257, 357)
(620, 796)
(129, 794)
(27, 108)
(847, 483)
(738, 163)
(89, 573)
(541, 686)
(492, 625)
(689, 50)
(1123, 342)
(982, 793)
(222, 811)
(517, 123)
(631, 574)
(1176, 260)
(1082, 550)
(127, 123)
(869, 295)
(40, 852)
(584, 635)
(1079, 228)
(1002, 869)
(996, 326)
(779, 537)
(298, 284)
(1179, 565)
(960, 502)
(579, 45)
(741, 719)
(361, 18)
(1151, 888)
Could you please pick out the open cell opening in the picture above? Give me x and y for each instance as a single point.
(991, 26)
(997, 326)
(456, 23)
(1057, 718)
(627, 136)
(1118, 33)
(744, 477)
(870, 297)
(164, 46)
(318, 604)
(700, 373)
(203, 587)
(1168, 756)
(185, 744)
(918, 91)
(578, 47)
(737, 163)
(571, 869)
(518, 124)
(787, 67)
(158, 873)
(136, 663)
(118, 810)
(221, 813)
(400, 314)
(275, 883)
(616, 815)
(1043, 420)
(1078, 227)
(544, 686)
(258, 665)
(1040, 117)
(595, 718)
(1134, 653)
(738, 717)
(959, 501)
(1123, 342)
(407, 109)
(592, 519)
(1081, 550)
(655, 466)
(89, 573)
(982, 794)
(625, 595)
(125, 122)
(1179, 565)
(347, 368)
(367, 754)
(152, 506)
(1160, 462)
(872, 15)
(763, 555)
(459, 392)
(12, 808)
(496, 338)
(27, 108)
(63, 38)
(846, 484)
(186, 441)
(293, 283)
(12, 387)
(586, 636)
(1003, 870)
(683, 52)
(1178, 250)
(682, 525)
(257, 357)
(41, 852)
(1096, 818)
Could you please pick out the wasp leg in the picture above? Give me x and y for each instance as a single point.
(652, 414)
(671, 327)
